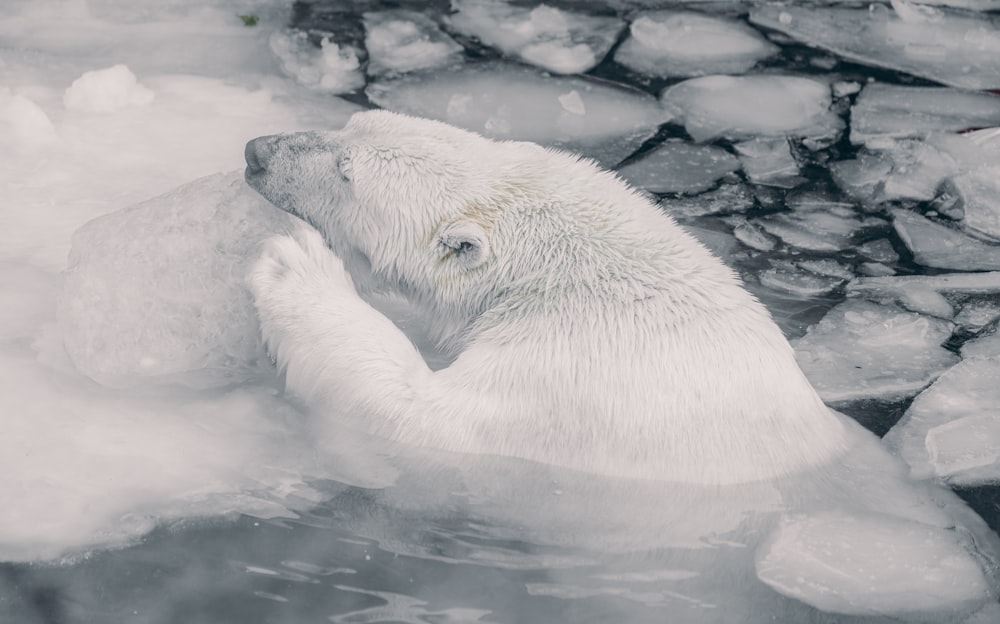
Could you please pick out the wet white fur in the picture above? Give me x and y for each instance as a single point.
(590, 331)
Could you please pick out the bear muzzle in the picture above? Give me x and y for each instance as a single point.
(257, 153)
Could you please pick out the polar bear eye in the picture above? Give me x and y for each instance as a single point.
(345, 167)
(464, 242)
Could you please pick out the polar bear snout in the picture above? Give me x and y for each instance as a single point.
(257, 154)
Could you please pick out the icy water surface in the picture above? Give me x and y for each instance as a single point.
(844, 158)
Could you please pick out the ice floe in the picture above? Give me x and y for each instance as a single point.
(864, 350)
(155, 293)
(551, 38)
(939, 246)
(769, 162)
(106, 90)
(716, 106)
(503, 101)
(676, 43)
(953, 48)
(680, 167)
(795, 279)
(901, 111)
(816, 559)
(952, 430)
(400, 41)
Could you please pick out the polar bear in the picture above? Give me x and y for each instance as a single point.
(585, 329)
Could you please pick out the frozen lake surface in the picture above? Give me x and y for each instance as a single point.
(843, 158)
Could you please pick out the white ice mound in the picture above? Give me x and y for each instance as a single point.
(939, 246)
(956, 49)
(23, 123)
(400, 41)
(501, 101)
(884, 110)
(862, 350)
(329, 68)
(952, 429)
(869, 564)
(669, 43)
(551, 38)
(106, 91)
(679, 167)
(750, 106)
(155, 293)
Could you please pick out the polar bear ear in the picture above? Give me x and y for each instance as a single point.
(464, 242)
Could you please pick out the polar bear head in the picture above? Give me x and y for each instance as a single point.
(452, 218)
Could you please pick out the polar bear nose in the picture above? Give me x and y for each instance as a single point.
(258, 152)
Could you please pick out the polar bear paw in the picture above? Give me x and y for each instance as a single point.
(295, 276)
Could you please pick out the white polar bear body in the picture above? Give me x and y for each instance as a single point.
(590, 331)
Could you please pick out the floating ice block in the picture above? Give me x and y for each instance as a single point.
(155, 293)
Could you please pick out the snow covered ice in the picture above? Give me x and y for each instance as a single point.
(715, 106)
(551, 38)
(155, 292)
(503, 101)
(668, 43)
(402, 41)
(863, 350)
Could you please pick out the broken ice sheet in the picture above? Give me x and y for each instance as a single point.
(155, 293)
(884, 110)
(679, 167)
(400, 41)
(744, 107)
(952, 429)
(551, 38)
(863, 350)
(504, 101)
(952, 48)
(941, 247)
(668, 43)
(729, 197)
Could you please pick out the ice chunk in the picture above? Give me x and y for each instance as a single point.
(106, 91)
(985, 346)
(880, 250)
(952, 429)
(23, 123)
(897, 111)
(974, 197)
(862, 350)
(751, 235)
(769, 162)
(938, 246)
(679, 167)
(668, 43)
(952, 48)
(976, 315)
(400, 41)
(551, 38)
(155, 293)
(868, 564)
(727, 198)
(788, 278)
(328, 69)
(716, 106)
(598, 120)
(928, 294)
